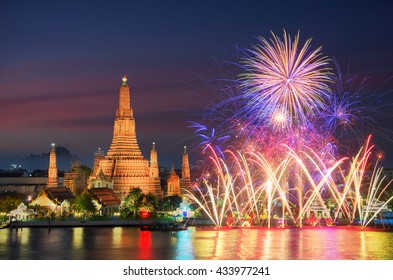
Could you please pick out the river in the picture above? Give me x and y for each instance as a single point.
(129, 243)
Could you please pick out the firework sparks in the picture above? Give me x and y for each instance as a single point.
(283, 76)
(252, 185)
(281, 144)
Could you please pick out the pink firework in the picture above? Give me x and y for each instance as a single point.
(281, 76)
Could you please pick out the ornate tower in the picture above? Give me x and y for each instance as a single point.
(98, 156)
(154, 172)
(76, 179)
(173, 183)
(124, 143)
(185, 171)
(52, 170)
(124, 163)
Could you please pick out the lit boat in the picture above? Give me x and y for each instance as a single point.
(163, 227)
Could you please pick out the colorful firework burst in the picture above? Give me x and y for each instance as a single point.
(281, 76)
(283, 137)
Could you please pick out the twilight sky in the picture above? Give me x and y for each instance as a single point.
(61, 63)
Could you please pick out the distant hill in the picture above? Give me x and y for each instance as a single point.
(33, 161)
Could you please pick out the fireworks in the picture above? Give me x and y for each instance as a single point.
(344, 114)
(254, 188)
(283, 77)
(340, 113)
(276, 144)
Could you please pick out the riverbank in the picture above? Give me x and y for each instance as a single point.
(206, 224)
(49, 223)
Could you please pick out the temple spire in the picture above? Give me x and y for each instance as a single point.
(124, 141)
(98, 156)
(124, 165)
(154, 172)
(52, 170)
(173, 183)
(124, 102)
(185, 171)
(124, 79)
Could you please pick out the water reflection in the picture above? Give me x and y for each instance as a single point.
(130, 243)
(77, 238)
(145, 246)
(184, 249)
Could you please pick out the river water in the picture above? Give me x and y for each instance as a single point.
(124, 243)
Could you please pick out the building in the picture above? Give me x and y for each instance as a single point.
(124, 164)
(185, 182)
(52, 170)
(105, 201)
(153, 168)
(173, 183)
(15, 174)
(27, 186)
(100, 181)
(376, 207)
(22, 213)
(318, 209)
(54, 199)
(98, 156)
(19, 182)
(76, 179)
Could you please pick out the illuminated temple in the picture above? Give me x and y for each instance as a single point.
(52, 170)
(124, 165)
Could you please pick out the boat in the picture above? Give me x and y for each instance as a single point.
(153, 227)
(163, 227)
(174, 227)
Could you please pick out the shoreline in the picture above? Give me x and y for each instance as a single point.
(49, 223)
(201, 224)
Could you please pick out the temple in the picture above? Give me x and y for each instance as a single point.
(124, 164)
(52, 170)
(173, 183)
(54, 197)
(76, 178)
(185, 182)
(153, 169)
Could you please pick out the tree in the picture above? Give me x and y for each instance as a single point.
(170, 202)
(133, 202)
(84, 203)
(150, 202)
(174, 201)
(10, 201)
